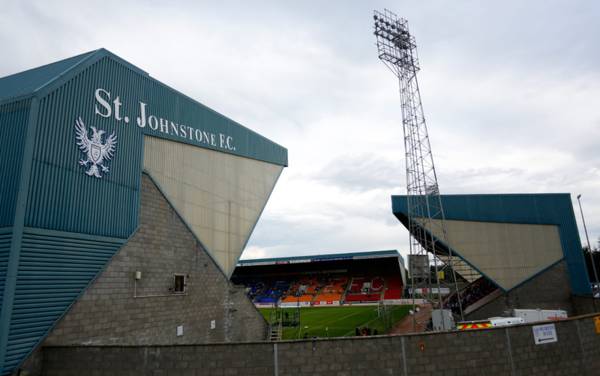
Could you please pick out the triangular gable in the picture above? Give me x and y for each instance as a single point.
(523, 209)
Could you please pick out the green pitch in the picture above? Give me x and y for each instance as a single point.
(339, 321)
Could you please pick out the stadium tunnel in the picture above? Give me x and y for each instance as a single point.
(521, 250)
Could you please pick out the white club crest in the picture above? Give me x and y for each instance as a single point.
(97, 152)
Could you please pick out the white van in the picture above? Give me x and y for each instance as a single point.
(535, 315)
(506, 321)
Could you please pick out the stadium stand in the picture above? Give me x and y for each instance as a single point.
(366, 277)
(364, 289)
(333, 290)
(297, 299)
(393, 289)
(267, 292)
(377, 284)
(325, 289)
(471, 294)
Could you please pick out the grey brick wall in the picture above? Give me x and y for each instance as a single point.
(499, 351)
(241, 359)
(549, 290)
(110, 332)
(108, 312)
(585, 304)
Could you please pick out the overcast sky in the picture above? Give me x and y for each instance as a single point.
(510, 90)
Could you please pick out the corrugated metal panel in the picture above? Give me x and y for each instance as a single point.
(13, 127)
(5, 238)
(53, 270)
(166, 103)
(61, 196)
(27, 82)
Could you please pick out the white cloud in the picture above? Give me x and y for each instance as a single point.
(509, 91)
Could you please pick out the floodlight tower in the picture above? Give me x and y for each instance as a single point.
(397, 49)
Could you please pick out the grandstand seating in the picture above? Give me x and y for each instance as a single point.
(297, 299)
(377, 284)
(476, 290)
(364, 289)
(296, 289)
(332, 290)
(269, 293)
(393, 289)
(356, 285)
(325, 289)
(253, 288)
(324, 279)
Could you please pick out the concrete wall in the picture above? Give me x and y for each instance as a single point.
(585, 304)
(109, 312)
(508, 253)
(220, 195)
(548, 290)
(501, 351)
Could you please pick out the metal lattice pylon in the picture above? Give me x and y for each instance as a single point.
(398, 51)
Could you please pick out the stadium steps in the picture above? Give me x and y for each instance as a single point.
(276, 328)
(483, 301)
(460, 267)
(275, 334)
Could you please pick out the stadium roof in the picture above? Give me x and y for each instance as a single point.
(38, 82)
(319, 258)
(33, 80)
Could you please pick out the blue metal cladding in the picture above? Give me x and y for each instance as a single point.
(25, 83)
(61, 196)
(13, 124)
(168, 104)
(54, 269)
(74, 223)
(5, 237)
(539, 209)
(162, 102)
